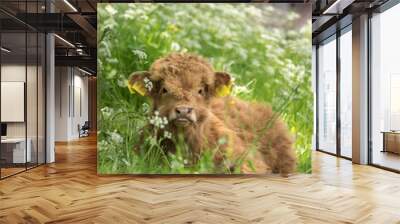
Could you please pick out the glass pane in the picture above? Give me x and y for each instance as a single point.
(13, 86)
(23, 90)
(31, 97)
(31, 87)
(346, 94)
(386, 89)
(327, 96)
(41, 99)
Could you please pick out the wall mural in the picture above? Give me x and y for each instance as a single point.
(204, 89)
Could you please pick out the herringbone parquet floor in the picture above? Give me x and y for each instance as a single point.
(70, 191)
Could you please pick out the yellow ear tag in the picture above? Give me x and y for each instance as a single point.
(224, 90)
(137, 87)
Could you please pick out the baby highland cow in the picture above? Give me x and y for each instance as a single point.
(186, 89)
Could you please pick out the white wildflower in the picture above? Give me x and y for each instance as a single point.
(143, 17)
(116, 138)
(243, 89)
(112, 60)
(256, 63)
(164, 35)
(157, 121)
(175, 46)
(103, 145)
(256, 12)
(111, 10)
(167, 134)
(129, 14)
(121, 83)
(242, 53)
(148, 84)
(106, 111)
(140, 54)
(165, 120)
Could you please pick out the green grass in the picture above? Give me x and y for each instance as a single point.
(270, 64)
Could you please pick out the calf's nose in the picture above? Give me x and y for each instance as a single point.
(182, 110)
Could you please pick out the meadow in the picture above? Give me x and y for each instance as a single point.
(270, 62)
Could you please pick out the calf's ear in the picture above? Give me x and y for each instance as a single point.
(223, 84)
(140, 83)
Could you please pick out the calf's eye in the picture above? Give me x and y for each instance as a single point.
(164, 91)
(201, 91)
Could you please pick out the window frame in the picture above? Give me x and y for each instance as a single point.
(334, 37)
(381, 9)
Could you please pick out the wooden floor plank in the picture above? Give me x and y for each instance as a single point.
(70, 191)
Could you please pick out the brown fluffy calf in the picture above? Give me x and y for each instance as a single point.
(184, 88)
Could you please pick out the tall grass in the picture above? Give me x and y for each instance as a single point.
(269, 63)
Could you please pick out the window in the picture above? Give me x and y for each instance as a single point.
(385, 89)
(327, 96)
(22, 77)
(346, 93)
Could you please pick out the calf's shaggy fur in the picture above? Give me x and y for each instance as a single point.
(184, 88)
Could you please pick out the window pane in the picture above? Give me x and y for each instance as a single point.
(346, 94)
(15, 151)
(327, 96)
(386, 89)
(31, 96)
(41, 98)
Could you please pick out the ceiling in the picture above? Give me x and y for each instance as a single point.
(74, 22)
(328, 16)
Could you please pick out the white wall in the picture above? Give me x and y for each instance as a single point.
(62, 81)
(80, 103)
(71, 102)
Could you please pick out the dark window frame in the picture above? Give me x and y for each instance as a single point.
(381, 9)
(334, 37)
